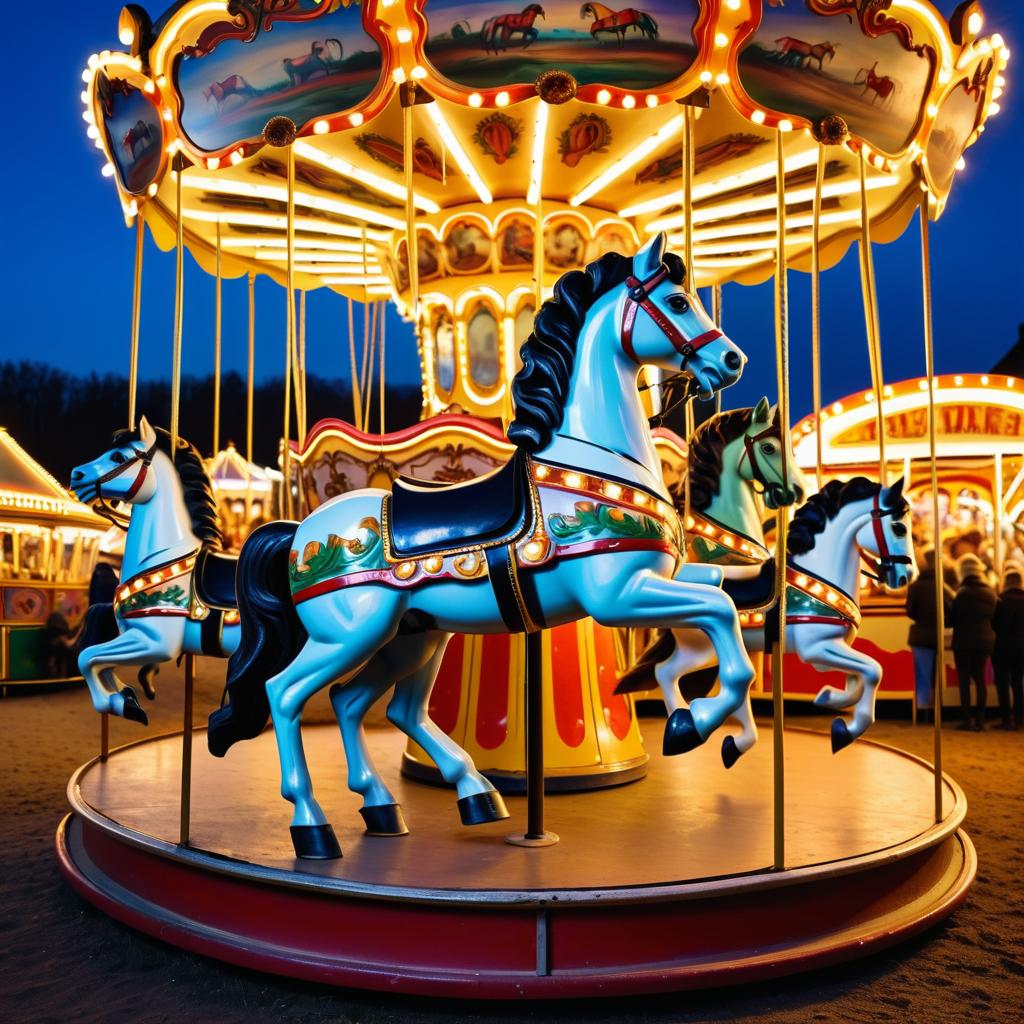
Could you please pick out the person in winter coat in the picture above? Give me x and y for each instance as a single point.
(1008, 656)
(923, 637)
(974, 639)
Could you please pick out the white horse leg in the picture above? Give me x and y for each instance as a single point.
(135, 646)
(693, 651)
(478, 800)
(836, 653)
(650, 600)
(835, 699)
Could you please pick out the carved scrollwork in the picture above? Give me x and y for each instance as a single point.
(873, 17)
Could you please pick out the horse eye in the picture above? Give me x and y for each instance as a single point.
(677, 303)
(117, 458)
(899, 529)
(768, 449)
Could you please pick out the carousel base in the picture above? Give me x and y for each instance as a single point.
(664, 884)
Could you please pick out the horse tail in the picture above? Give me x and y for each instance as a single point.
(640, 675)
(98, 626)
(272, 636)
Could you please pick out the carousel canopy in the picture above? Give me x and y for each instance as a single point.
(496, 116)
(230, 473)
(28, 492)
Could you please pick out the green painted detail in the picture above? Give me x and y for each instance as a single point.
(593, 519)
(799, 603)
(338, 557)
(170, 597)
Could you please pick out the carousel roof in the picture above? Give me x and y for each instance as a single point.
(28, 491)
(514, 113)
(230, 472)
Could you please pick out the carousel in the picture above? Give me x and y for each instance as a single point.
(540, 192)
(49, 543)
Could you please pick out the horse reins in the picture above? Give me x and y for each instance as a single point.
(638, 296)
(886, 560)
(103, 509)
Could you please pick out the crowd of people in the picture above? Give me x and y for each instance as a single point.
(986, 618)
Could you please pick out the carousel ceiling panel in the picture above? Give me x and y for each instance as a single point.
(553, 110)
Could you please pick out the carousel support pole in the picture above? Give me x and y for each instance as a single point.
(407, 94)
(819, 179)
(380, 373)
(303, 421)
(779, 641)
(250, 383)
(688, 168)
(357, 400)
(186, 752)
(179, 287)
(104, 737)
(867, 278)
(133, 361)
(940, 603)
(997, 521)
(536, 835)
(716, 315)
(217, 324)
(286, 460)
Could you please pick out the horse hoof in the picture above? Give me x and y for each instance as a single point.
(480, 808)
(384, 820)
(315, 842)
(841, 735)
(681, 735)
(731, 753)
(131, 708)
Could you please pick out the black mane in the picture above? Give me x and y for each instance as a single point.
(195, 484)
(705, 459)
(813, 516)
(541, 387)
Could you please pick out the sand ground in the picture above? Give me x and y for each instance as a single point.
(64, 961)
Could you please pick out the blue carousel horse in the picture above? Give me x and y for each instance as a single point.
(846, 523)
(176, 594)
(734, 457)
(367, 590)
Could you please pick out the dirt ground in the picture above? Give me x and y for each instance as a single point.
(64, 961)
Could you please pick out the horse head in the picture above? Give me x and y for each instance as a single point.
(122, 472)
(663, 323)
(887, 536)
(768, 461)
(536, 10)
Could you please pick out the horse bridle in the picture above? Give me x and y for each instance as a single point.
(638, 296)
(750, 442)
(144, 458)
(886, 560)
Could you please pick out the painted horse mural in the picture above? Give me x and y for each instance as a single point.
(846, 523)
(883, 87)
(325, 57)
(618, 23)
(221, 92)
(497, 31)
(366, 591)
(800, 53)
(176, 594)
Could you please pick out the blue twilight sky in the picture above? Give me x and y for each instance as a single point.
(69, 264)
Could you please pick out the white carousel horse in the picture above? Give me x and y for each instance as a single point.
(831, 534)
(176, 594)
(733, 457)
(368, 589)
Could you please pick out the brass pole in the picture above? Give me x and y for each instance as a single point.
(380, 374)
(286, 459)
(104, 736)
(357, 400)
(303, 421)
(217, 319)
(716, 315)
(250, 386)
(179, 285)
(411, 248)
(186, 754)
(997, 521)
(133, 361)
(819, 179)
(688, 167)
(940, 604)
(867, 277)
(779, 641)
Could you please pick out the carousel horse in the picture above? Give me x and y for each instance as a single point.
(846, 523)
(733, 457)
(177, 590)
(367, 590)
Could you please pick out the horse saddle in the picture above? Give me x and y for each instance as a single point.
(213, 579)
(751, 591)
(488, 511)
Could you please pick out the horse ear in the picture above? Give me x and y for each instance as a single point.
(894, 495)
(762, 411)
(147, 435)
(650, 257)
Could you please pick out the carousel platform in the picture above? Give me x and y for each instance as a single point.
(665, 883)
